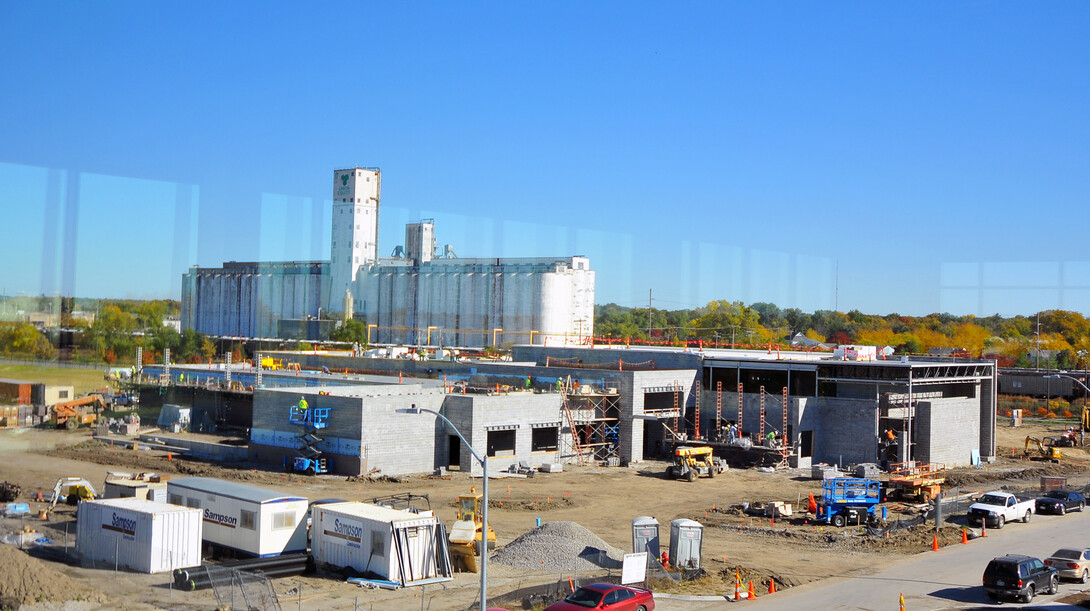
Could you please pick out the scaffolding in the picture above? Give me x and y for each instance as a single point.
(593, 420)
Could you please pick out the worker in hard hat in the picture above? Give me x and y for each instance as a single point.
(303, 405)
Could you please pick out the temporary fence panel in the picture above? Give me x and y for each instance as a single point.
(140, 535)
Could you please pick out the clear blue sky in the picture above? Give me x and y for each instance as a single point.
(935, 153)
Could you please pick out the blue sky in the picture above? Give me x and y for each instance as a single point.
(888, 157)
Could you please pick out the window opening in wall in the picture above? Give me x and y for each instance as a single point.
(248, 520)
(544, 439)
(501, 443)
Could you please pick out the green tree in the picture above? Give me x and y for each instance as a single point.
(727, 320)
(351, 331)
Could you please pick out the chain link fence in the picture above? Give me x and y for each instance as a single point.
(241, 590)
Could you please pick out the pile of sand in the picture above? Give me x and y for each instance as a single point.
(24, 579)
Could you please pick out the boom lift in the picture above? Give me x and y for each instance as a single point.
(72, 414)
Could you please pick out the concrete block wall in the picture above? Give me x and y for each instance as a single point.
(947, 430)
(846, 430)
(633, 430)
(390, 442)
(473, 414)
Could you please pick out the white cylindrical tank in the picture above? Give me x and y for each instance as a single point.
(143, 536)
(685, 542)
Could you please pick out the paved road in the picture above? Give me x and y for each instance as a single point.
(946, 579)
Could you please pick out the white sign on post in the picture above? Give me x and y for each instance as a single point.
(634, 569)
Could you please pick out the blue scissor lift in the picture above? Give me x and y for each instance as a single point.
(311, 420)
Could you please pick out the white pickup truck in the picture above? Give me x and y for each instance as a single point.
(997, 508)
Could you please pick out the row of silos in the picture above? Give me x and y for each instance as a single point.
(686, 539)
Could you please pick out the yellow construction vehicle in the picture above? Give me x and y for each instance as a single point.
(467, 533)
(1035, 450)
(72, 414)
(267, 362)
(74, 490)
(690, 462)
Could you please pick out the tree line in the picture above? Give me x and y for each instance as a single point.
(1063, 336)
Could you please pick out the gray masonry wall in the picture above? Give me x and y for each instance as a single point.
(366, 417)
(475, 415)
(845, 430)
(947, 430)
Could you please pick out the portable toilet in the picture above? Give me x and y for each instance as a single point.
(685, 543)
(645, 536)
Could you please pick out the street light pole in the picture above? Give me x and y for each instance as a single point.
(1082, 416)
(484, 502)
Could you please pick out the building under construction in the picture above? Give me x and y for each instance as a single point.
(614, 406)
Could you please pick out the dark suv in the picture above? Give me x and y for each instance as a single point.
(1020, 577)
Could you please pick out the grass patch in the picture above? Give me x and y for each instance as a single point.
(84, 380)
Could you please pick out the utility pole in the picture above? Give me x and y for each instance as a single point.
(1038, 334)
(649, 292)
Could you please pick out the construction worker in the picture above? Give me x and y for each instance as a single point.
(559, 385)
(529, 382)
(303, 405)
(181, 378)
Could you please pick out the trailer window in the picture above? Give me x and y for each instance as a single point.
(193, 502)
(283, 520)
(378, 544)
(176, 499)
(248, 520)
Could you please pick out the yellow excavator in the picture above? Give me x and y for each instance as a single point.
(467, 533)
(1035, 450)
(691, 462)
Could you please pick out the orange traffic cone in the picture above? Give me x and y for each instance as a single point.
(983, 528)
(752, 594)
(771, 585)
(902, 602)
(935, 543)
(737, 586)
(964, 536)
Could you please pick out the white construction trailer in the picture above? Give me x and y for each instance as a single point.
(400, 546)
(244, 519)
(138, 534)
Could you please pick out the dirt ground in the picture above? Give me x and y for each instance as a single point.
(792, 551)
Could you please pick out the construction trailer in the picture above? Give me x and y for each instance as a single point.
(397, 545)
(142, 536)
(149, 487)
(244, 519)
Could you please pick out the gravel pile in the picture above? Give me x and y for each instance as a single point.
(559, 546)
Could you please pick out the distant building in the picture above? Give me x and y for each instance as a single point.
(419, 295)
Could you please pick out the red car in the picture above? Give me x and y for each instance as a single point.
(606, 596)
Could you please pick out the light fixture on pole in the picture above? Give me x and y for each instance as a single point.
(483, 460)
(1082, 416)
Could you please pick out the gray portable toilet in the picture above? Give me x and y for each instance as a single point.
(685, 543)
(645, 536)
